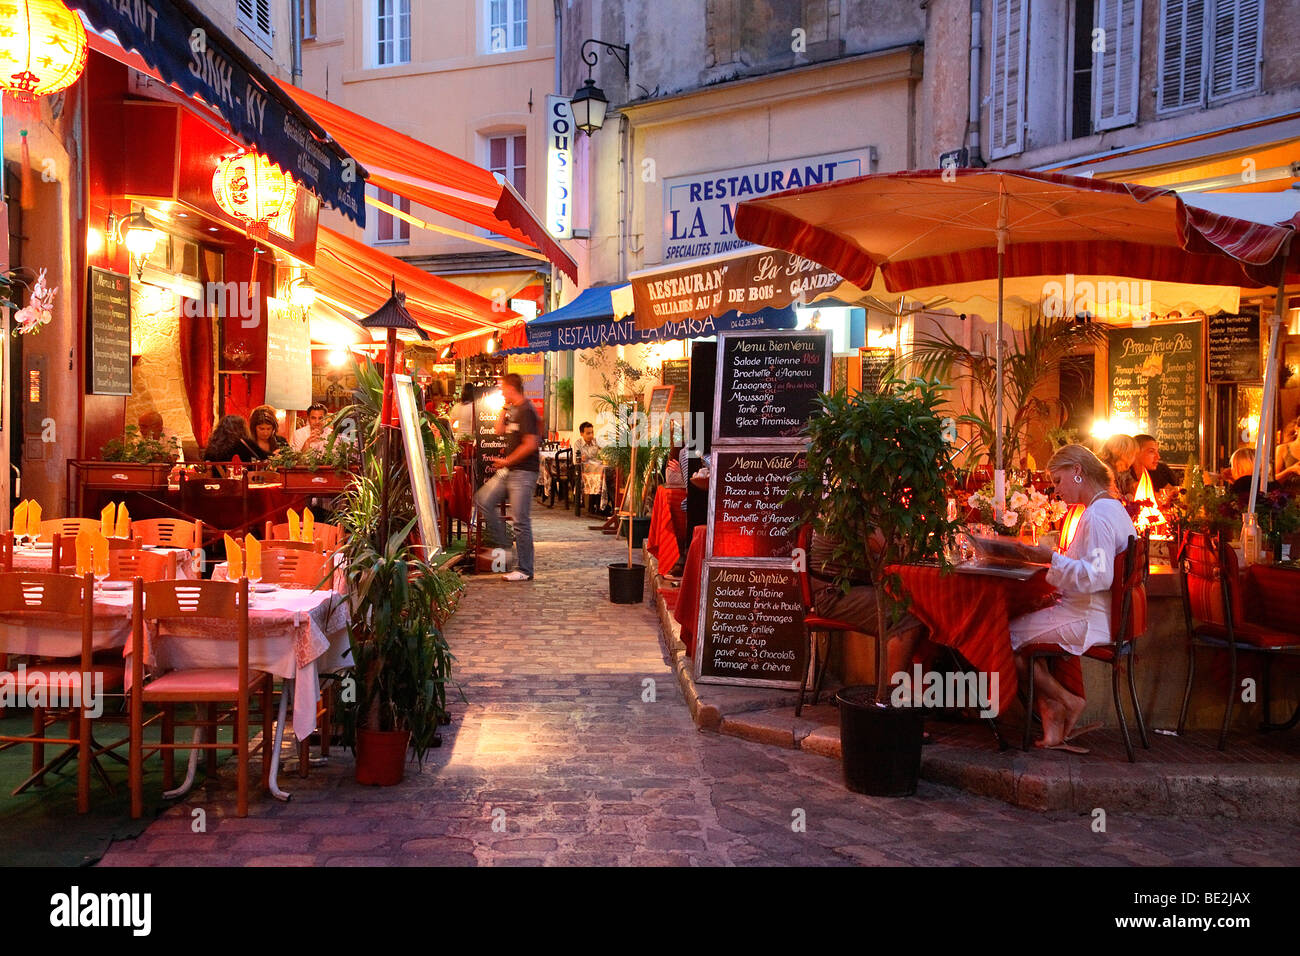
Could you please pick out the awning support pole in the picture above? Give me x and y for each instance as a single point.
(1264, 437)
(999, 473)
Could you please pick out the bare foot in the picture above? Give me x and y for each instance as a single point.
(1073, 711)
(1053, 716)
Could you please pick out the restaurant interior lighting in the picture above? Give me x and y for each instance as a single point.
(302, 293)
(589, 103)
(337, 357)
(492, 344)
(140, 235)
(1103, 429)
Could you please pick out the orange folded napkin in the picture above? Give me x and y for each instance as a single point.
(107, 520)
(100, 552)
(308, 525)
(33, 518)
(123, 521)
(20, 519)
(234, 560)
(85, 552)
(294, 534)
(253, 561)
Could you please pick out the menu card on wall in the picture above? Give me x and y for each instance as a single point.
(875, 367)
(767, 384)
(108, 333)
(677, 372)
(753, 619)
(1234, 346)
(751, 518)
(288, 356)
(1154, 374)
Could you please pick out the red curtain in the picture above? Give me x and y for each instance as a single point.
(196, 368)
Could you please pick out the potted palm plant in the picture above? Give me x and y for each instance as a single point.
(879, 463)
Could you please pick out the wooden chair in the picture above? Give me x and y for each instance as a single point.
(189, 608)
(326, 537)
(217, 503)
(63, 555)
(169, 532)
(68, 527)
(125, 544)
(813, 625)
(1127, 623)
(1215, 612)
(7, 551)
(124, 565)
(59, 601)
(296, 567)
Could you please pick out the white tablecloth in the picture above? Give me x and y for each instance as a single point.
(112, 629)
(189, 563)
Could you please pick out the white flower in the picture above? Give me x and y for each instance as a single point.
(1009, 518)
(976, 500)
(1019, 500)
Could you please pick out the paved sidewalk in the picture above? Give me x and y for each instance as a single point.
(559, 757)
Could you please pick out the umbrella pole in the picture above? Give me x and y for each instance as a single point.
(999, 474)
(1264, 437)
(386, 411)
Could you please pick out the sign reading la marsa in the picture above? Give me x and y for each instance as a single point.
(700, 209)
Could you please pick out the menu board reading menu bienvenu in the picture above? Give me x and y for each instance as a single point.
(751, 518)
(1233, 346)
(753, 620)
(1154, 374)
(108, 333)
(767, 384)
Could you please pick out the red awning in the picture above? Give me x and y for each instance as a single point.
(433, 178)
(920, 230)
(357, 277)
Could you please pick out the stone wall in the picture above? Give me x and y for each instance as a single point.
(157, 379)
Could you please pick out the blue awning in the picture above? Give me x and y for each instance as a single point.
(588, 322)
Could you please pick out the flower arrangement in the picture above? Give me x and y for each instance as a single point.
(1278, 514)
(1027, 510)
(39, 308)
(1202, 507)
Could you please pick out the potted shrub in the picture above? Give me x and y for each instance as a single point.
(132, 461)
(879, 462)
(320, 471)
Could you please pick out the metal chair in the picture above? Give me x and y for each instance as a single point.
(1214, 610)
(814, 624)
(562, 476)
(1127, 624)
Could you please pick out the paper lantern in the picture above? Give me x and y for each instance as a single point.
(42, 48)
(252, 188)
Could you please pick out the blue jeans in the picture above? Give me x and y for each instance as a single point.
(519, 486)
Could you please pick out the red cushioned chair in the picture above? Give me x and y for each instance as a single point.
(813, 624)
(1128, 621)
(1214, 610)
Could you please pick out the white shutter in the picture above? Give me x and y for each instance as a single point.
(1182, 54)
(1235, 36)
(253, 17)
(1010, 30)
(1115, 68)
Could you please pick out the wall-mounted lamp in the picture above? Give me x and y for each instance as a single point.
(140, 235)
(301, 292)
(493, 343)
(589, 102)
(448, 353)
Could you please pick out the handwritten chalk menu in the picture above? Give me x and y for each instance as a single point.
(1155, 381)
(747, 489)
(752, 626)
(657, 408)
(767, 382)
(288, 356)
(108, 333)
(486, 440)
(677, 372)
(875, 367)
(1233, 346)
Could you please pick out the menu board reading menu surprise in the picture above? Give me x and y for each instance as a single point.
(767, 384)
(753, 617)
(1154, 375)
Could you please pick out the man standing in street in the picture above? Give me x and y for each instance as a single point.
(516, 476)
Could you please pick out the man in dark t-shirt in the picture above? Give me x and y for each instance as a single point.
(515, 477)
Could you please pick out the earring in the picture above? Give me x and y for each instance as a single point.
(1078, 479)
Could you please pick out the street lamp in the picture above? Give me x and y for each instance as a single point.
(589, 103)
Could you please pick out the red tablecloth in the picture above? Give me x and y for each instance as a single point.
(662, 540)
(457, 494)
(688, 595)
(971, 613)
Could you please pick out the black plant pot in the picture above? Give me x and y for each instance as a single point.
(626, 583)
(881, 746)
(640, 528)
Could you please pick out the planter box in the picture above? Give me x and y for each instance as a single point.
(124, 475)
(323, 482)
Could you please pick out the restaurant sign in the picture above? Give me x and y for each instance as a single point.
(700, 209)
(591, 333)
(559, 167)
(765, 278)
(188, 51)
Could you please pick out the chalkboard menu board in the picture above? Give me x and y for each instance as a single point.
(108, 333)
(488, 442)
(752, 625)
(875, 367)
(767, 383)
(1233, 346)
(1154, 374)
(746, 492)
(677, 372)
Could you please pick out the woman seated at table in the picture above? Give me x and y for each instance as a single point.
(230, 438)
(1118, 454)
(1287, 458)
(1082, 575)
(263, 424)
(1242, 472)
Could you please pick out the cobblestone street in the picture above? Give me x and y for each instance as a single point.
(557, 759)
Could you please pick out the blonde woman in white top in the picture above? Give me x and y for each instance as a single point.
(1083, 575)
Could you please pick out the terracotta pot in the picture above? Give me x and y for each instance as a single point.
(381, 756)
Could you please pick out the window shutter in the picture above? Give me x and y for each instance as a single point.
(1115, 69)
(1009, 29)
(1182, 54)
(1235, 37)
(253, 17)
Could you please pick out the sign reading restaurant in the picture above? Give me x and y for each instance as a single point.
(700, 209)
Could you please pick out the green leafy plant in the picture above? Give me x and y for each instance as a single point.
(133, 447)
(878, 470)
(631, 429)
(564, 394)
(1034, 357)
(1203, 507)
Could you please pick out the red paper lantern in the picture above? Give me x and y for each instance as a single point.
(42, 48)
(253, 189)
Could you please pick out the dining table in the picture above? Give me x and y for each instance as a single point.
(187, 566)
(661, 541)
(687, 610)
